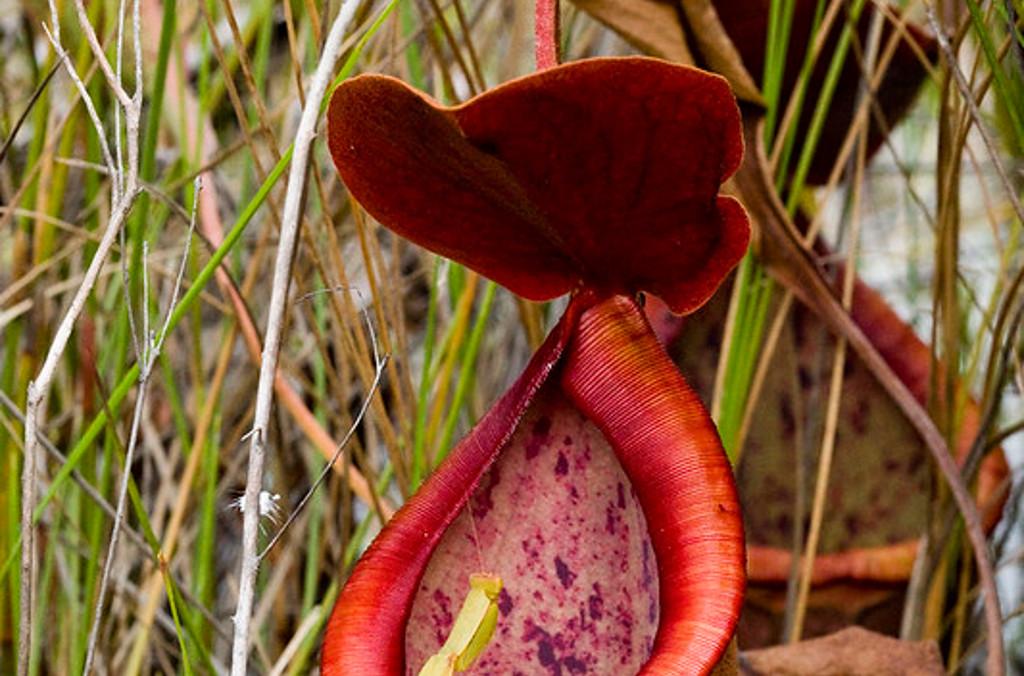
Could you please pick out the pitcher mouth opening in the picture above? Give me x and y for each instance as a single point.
(558, 520)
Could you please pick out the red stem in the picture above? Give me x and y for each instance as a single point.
(546, 33)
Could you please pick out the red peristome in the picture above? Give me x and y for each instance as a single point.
(621, 378)
(601, 173)
(366, 632)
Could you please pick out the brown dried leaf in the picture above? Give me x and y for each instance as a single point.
(850, 652)
(653, 26)
(718, 49)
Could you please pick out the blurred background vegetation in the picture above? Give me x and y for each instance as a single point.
(934, 230)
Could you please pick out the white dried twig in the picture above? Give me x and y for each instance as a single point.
(113, 79)
(152, 344)
(124, 189)
(293, 202)
(90, 107)
(151, 347)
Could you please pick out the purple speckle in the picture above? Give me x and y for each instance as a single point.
(624, 616)
(648, 574)
(538, 437)
(546, 652)
(483, 499)
(574, 665)
(562, 466)
(532, 548)
(620, 489)
(531, 632)
(505, 602)
(610, 519)
(442, 614)
(551, 650)
(565, 574)
(595, 603)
